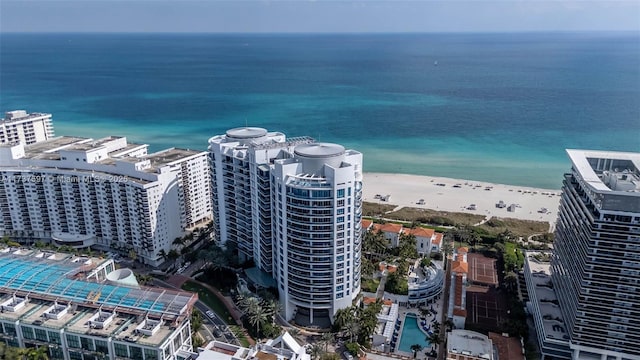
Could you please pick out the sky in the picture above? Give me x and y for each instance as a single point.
(317, 16)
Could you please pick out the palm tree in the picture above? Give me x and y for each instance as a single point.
(434, 338)
(415, 348)
(163, 254)
(344, 316)
(424, 312)
(351, 329)
(316, 351)
(326, 339)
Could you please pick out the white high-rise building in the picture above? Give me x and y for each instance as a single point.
(240, 162)
(105, 193)
(317, 231)
(20, 127)
(294, 206)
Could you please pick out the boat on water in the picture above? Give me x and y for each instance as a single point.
(435, 63)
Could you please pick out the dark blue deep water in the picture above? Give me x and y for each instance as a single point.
(496, 107)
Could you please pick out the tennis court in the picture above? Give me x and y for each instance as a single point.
(485, 307)
(482, 270)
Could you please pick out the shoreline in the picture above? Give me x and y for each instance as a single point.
(458, 195)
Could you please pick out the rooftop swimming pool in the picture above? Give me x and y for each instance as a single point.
(411, 334)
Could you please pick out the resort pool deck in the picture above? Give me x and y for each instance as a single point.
(411, 334)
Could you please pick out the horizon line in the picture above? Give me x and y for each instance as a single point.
(637, 31)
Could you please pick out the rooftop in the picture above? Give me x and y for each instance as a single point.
(388, 227)
(52, 278)
(420, 232)
(319, 150)
(469, 343)
(20, 115)
(608, 171)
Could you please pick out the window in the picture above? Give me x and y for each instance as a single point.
(120, 350)
(73, 341)
(340, 193)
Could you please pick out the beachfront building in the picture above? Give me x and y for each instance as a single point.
(469, 345)
(294, 206)
(458, 291)
(240, 175)
(106, 194)
(391, 232)
(284, 347)
(317, 213)
(74, 308)
(424, 239)
(551, 330)
(20, 127)
(585, 295)
(596, 261)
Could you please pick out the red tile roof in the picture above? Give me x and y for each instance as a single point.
(508, 347)
(461, 312)
(459, 267)
(389, 227)
(438, 239)
(366, 224)
(459, 287)
(420, 232)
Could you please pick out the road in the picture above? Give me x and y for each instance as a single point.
(215, 323)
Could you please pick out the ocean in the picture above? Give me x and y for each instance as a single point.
(490, 107)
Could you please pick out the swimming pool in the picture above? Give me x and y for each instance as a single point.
(411, 334)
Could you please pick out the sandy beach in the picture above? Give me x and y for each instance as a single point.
(457, 195)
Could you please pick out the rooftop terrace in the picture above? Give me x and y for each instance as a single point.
(48, 278)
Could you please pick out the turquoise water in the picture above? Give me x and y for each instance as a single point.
(497, 107)
(411, 334)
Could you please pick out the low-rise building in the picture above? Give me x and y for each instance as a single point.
(543, 304)
(391, 232)
(65, 303)
(458, 294)
(469, 345)
(284, 347)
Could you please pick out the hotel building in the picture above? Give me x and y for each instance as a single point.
(104, 193)
(595, 266)
(20, 127)
(294, 207)
(77, 310)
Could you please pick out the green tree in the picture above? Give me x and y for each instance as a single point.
(407, 247)
(316, 351)
(326, 339)
(374, 245)
(434, 338)
(416, 348)
(511, 282)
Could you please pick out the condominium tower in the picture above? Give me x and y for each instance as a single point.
(294, 206)
(240, 161)
(20, 127)
(103, 193)
(596, 262)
